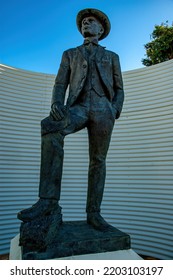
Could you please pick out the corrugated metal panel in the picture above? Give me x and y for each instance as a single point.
(139, 187)
(23, 95)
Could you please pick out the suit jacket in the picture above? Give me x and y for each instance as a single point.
(73, 72)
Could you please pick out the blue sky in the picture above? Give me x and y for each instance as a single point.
(34, 33)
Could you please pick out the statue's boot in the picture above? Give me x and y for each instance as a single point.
(96, 221)
(40, 208)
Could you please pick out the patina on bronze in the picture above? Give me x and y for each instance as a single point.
(95, 100)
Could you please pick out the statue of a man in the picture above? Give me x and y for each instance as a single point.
(95, 100)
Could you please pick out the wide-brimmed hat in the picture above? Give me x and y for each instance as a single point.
(103, 19)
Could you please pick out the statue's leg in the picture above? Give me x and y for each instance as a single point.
(98, 147)
(99, 131)
(50, 178)
(52, 155)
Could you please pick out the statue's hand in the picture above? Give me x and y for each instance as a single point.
(58, 112)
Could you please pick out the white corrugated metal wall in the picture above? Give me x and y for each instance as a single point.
(139, 188)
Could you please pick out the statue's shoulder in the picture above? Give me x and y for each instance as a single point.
(71, 53)
(71, 50)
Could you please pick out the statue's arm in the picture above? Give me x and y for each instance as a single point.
(118, 98)
(60, 87)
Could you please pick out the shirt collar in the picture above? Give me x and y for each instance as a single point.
(90, 40)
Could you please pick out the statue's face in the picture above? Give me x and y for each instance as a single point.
(91, 27)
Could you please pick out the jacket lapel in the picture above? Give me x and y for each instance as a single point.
(81, 50)
(100, 53)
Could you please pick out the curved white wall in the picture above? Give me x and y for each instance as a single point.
(139, 187)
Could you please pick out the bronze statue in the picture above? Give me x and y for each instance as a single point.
(95, 100)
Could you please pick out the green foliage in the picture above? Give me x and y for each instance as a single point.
(161, 47)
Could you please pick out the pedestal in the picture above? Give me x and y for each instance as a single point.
(79, 238)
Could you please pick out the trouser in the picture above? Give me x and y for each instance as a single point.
(98, 118)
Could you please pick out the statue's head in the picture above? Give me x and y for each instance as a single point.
(92, 22)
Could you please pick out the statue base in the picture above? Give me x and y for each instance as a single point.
(79, 238)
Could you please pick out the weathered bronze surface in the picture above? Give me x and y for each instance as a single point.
(79, 238)
(95, 100)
